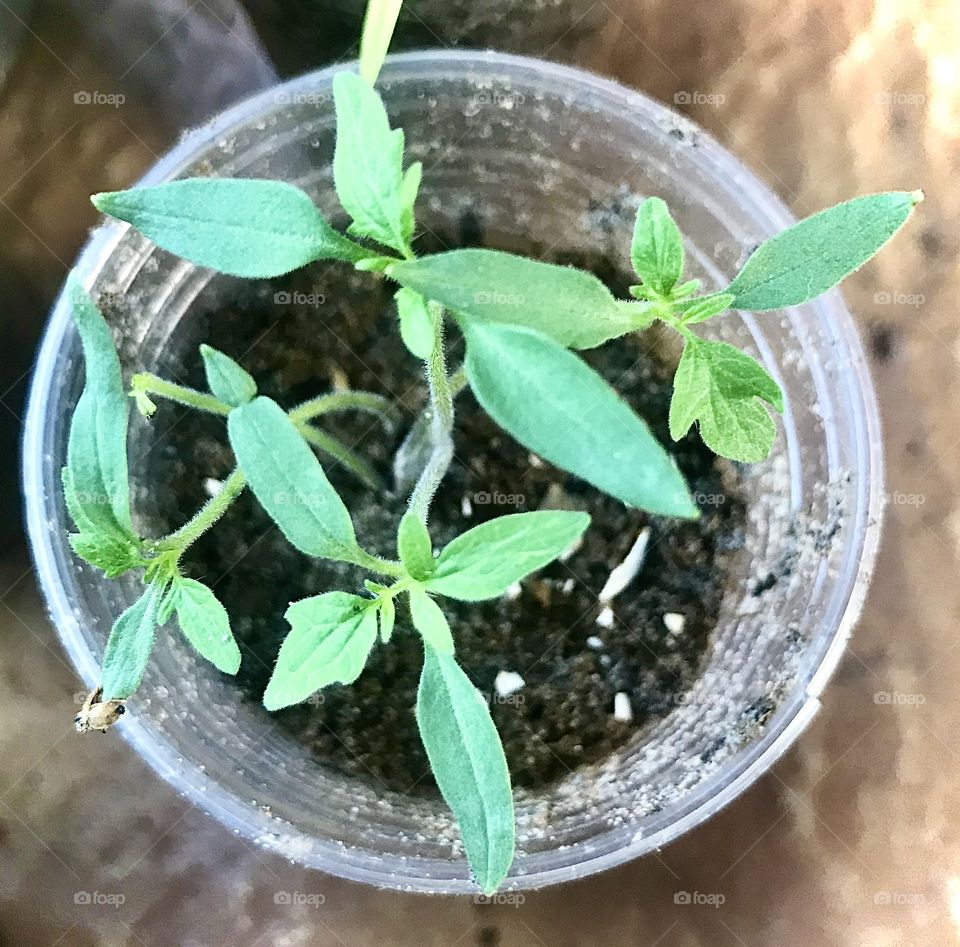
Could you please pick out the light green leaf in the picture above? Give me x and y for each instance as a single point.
(467, 760)
(378, 26)
(556, 405)
(704, 307)
(416, 323)
(409, 188)
(387, 615)
(129, 645)
(429, 620)
(330, 639)
(722, 387)
(485, 561)
(657, 248)
(414, 546)
(570, 306)
(817, 253)
(288, 481)
(242, 226)
(205, 624)
(368, 162)
(111, 554)
(226, 379)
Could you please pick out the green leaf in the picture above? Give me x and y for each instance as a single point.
(368, 162)
(657, 248)
(704, 307)
(409, 188)
(95, 483)
(226, 379)
(205, 624)
(722, 387)
(429, 620)
(330, 638)
(817, 253)
(387, 615)
(416, 323)
(485, 561)
(129, 645)
(378, 26)
(288, 481)
(468, 764)
(572, 307)
(414, 546)
(557, 406)
(242, 226)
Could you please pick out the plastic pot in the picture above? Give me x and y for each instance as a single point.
(535, 151)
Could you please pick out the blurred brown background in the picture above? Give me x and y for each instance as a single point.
(853, 839)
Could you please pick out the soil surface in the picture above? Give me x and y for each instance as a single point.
(327, 326)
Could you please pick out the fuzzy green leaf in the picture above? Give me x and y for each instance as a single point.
(485, 561)
(387, 614)
(810, 257)
(288, 481)
(416, 323)
(242, 226)
(704, 307)
(570, 306)
(330, 638)
(722, 387)
(226, 379)
(129, 645)
(112, 555)
(368, 163)
(414, 546)
(205, 624)
(559, 407)
(409, 188)
(468, 763)
(657, 248)
(429, 620)
(378, 26)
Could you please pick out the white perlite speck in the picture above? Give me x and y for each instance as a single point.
(508, 682)
(594, 642)
(674, 622)
(513, 591)
(606, 617)
(627, 571)
(212, 486)
(621, 707)
(466, 507)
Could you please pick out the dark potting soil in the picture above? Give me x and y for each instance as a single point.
(328, 326)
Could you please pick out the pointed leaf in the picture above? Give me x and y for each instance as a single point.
(569, 305)
(288, 481)
(226, 379)
(129, 645)
(556, 405)
(657, 248)
(205, 624)
(429, 620)
(416, 323)
(817, 253)
(245, 227)
(485, 561)
(467, 760)
(330, 639)
(387, 616)
(414, 546)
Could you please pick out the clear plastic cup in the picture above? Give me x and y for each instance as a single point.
(542, 152)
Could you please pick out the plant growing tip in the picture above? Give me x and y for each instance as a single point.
(523, 321)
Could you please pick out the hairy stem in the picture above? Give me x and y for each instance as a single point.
(151, 384)
(206, 516)
(343, 401)
(441, 422)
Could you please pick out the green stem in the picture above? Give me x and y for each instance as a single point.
(152, 384)
(441, 422)
(378, 564)
(343, 401)
(206, 516)
(341, 453)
